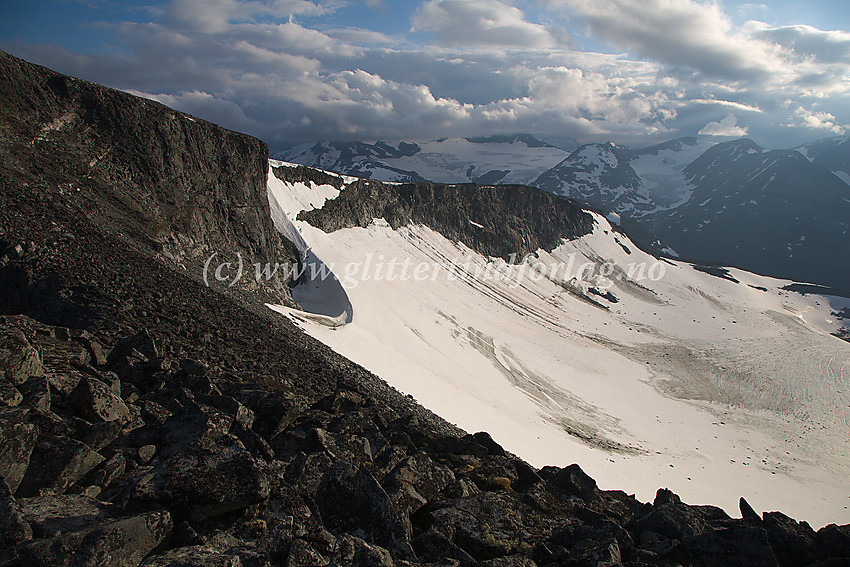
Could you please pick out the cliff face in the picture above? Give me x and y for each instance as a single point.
(170, 183)
(507, 221)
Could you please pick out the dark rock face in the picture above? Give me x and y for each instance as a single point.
(516, 220)
(177, 185)
(771, 212)
(239, 441)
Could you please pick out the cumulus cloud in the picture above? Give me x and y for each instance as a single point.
(803, 117)
(807, 41)
(726, 127)
(482, 23)
(261, 67)
(685, 33)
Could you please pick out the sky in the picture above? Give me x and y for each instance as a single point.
(635, 72)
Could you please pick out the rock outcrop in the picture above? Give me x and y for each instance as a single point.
(170, 183)
(506, 221)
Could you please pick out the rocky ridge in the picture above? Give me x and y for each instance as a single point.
(150, 420)
(164, 181)
(507, 221)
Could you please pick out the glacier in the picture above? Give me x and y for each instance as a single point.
(715, 387)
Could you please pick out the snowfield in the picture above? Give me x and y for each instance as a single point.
(662, 173)
(672, 377)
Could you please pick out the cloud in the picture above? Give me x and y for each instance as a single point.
(250, 67)
(807, 41)
(680, 33)
(726, 127)
(741, 107)
(361, 36)
(814, 120)
(215, 15)
(482, 23)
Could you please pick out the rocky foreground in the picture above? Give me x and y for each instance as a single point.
(147, 419)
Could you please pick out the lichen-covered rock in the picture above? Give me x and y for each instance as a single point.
(209, 478)
(352, 551)
(119, 542)
(671, 518)
(488, 525)
(55, 514)
(302, 554)
(351, 500)
(18, 358)
(36, 394)
(14, 528)
(192, 423)
(56, 463)
(96, 402)
(9, 395)
(739, 546)
(19, 437)
(416, 480)
(572, 482)
(207, 556)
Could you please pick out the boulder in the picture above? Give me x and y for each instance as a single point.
(18, 358)
(307, 471)
(240, 414)
(36, 394)
(55, 464)
(670, 518)
(9, 395)
(355, 552)
(192, 423)
(416, 480)
(302, 554)
(487, 525)
(273, 411)
(108, 472)
(349, 499)
(119, 542)
(737, 546)
(94, 401)
(208, 556)
(835, 540)
(255, 444)
(572, 482)
(435, 547)
(14, 528)
(55, 514)
(510, 561)
(99, 435)
(793, 542)
(18, 441)
(209, 478)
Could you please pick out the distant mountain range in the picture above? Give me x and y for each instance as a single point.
(517, 159)
(784, 213)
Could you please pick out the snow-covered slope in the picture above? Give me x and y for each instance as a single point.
(507, 160)
(631, 182)
(661, 170)
(599, 175)
(648, 373)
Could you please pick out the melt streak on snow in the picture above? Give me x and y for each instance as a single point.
(712, 388)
